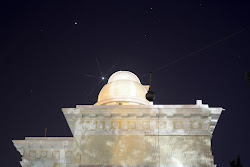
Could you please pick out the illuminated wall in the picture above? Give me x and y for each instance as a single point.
(153, 135)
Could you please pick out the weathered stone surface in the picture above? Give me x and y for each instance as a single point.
(136, 150)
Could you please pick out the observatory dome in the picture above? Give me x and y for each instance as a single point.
(123, 88)
(123, 75)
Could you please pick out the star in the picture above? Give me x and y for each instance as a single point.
(75, 23)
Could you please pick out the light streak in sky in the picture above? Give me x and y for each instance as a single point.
(197, 51)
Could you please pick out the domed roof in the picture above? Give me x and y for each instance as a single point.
(123, 88)
(123, 75)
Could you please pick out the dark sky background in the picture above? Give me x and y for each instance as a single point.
(46, 47)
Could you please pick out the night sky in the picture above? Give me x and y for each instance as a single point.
(49, 48)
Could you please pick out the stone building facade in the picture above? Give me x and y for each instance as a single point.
(124, 129)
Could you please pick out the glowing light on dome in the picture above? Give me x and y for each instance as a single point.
(123, 88)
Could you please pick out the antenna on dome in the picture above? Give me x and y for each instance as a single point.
(150, 80)
(150, 96)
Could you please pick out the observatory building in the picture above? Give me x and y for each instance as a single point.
(124, 129)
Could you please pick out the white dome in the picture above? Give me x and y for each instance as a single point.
(123, 88)
(123, 75)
